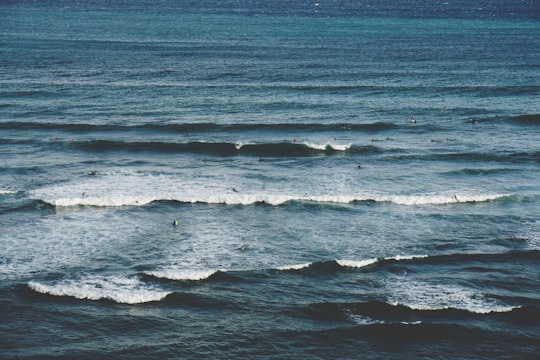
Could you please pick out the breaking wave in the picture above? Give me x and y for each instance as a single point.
(125, 290)
(279, 149)
(269, 199)
(136, 189)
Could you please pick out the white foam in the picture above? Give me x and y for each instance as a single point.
(132, 188)
(65, 240)
(357, 264)
(175, 274)
(438, 199)
(364, 263)
(119, 289)
(294, 267)
(405, 257)
(239, 145)
(419, 295)
(342, 147)
(322, 147)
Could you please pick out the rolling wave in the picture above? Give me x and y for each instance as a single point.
(125, 290)
(467, 157)
(297, 149)
(317, 267)
(179, 273)
(403, 299)
(347, 264)
(124, 198)
(429, 296)
(282, 149)
(114, 189)
(190, 128)
(380, 312)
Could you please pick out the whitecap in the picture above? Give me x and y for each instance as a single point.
(323, 147)
(340, 147)
(125, 290)
(320, 147)
(239, 145)
(357, 263)
(405, 257)
(294, 267)
(176, 274)
(439, 199)
(418, 295)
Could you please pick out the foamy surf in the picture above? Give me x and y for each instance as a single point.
(294, 266)
(367, 262)
(356, 263)
(439, 199)
(132, 188)
(144, 192)
(329, 146)
(352, 263)
(418, 295)
(124, 290)
(173, 274)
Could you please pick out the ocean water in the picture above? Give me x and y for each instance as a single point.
(269, 179)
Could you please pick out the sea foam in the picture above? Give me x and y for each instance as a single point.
(126, 290)
(329, 146)
(174, 274)
(419, 295)
(139, 189)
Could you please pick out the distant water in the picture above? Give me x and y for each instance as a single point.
(349, 179)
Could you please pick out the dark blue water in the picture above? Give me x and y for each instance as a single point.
(269, 179)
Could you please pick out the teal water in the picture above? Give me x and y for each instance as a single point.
(346, 180)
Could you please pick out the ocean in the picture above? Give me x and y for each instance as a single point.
(269, 179)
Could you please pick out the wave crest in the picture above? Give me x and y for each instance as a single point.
(418, 295)
(173, 274)
(142, 189)
(119, 289)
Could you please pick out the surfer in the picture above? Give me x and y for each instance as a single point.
(175, 223)
(234, 190)
(413, 119)
(93, 173)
